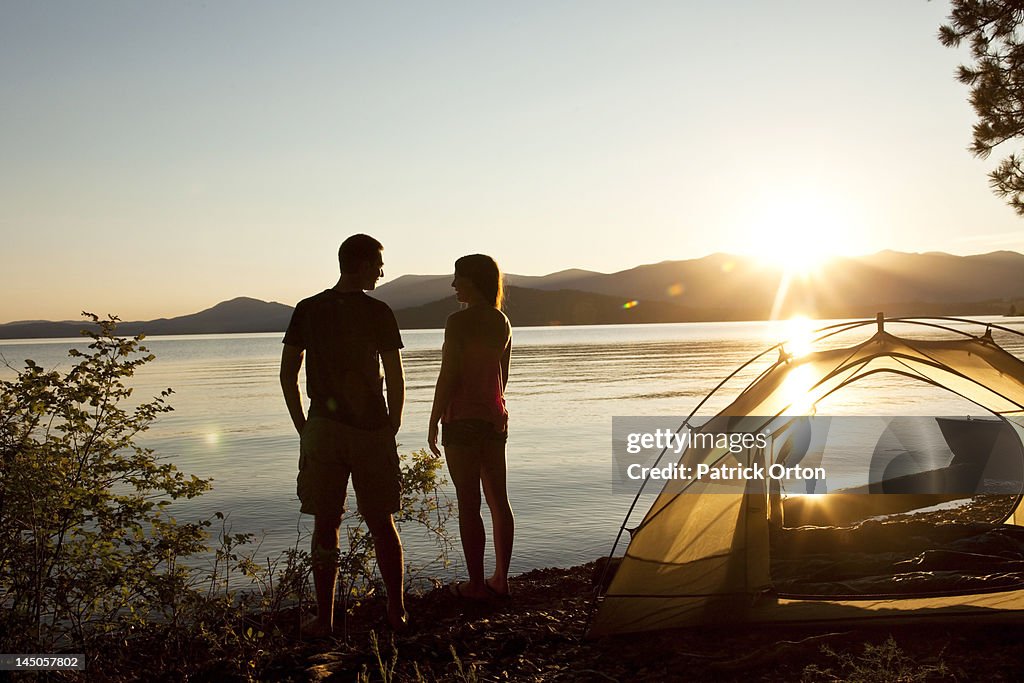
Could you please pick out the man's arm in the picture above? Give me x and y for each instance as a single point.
(394, 378)
(291, 361)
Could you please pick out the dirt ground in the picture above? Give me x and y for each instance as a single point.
(538, 635)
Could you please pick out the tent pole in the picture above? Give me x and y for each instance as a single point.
(880, 319)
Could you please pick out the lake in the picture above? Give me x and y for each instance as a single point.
(566, 384)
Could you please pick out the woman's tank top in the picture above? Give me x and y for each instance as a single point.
(479, 392)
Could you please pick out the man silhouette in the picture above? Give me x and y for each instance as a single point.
(346, 336)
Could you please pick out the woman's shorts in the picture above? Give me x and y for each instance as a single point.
(470, 433)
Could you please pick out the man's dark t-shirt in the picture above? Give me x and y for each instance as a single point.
(343, 334)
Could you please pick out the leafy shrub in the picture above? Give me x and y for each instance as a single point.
(884, 663)
(86, 548)
(91, 561)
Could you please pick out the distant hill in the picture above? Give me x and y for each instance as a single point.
(842, 287)
(532, 307)
(242, 314)
(716, 287)
(415, 290)
(728, 287)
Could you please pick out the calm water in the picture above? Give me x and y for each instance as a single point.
(565, 385)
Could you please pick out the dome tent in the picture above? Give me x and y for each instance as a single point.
(702, 552)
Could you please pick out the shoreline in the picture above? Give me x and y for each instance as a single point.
(72, 330)
(537, 636)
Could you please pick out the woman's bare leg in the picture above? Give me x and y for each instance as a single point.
(494, 478)
(464, 469)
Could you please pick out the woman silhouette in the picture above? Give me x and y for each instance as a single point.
(469, 399)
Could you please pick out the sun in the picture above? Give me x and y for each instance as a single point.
(799, 235)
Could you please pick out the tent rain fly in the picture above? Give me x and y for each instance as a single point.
(704, 551)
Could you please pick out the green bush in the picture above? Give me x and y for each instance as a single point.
(86, 548)
(91, 560)
(883, 663)
(424, 507)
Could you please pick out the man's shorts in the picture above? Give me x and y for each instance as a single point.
(330, 451)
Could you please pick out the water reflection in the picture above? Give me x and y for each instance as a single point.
(230, 422)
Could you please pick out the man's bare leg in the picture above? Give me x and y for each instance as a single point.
(391, 561)
(324, 551)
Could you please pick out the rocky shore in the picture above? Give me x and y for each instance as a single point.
(538, 635)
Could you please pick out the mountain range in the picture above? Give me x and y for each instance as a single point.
(716, 287)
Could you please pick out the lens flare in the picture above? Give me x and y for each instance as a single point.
(796, 390)
(799, 336)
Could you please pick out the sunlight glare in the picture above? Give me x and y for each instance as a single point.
(810, 498)
(799, 234)
(799, 336)
(796, 391)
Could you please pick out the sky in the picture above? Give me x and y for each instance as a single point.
(160, 157)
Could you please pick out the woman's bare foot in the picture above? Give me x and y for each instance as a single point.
(497, 587)
(466, 590)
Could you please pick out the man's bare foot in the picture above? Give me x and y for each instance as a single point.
(398, 621)
(313, 629)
